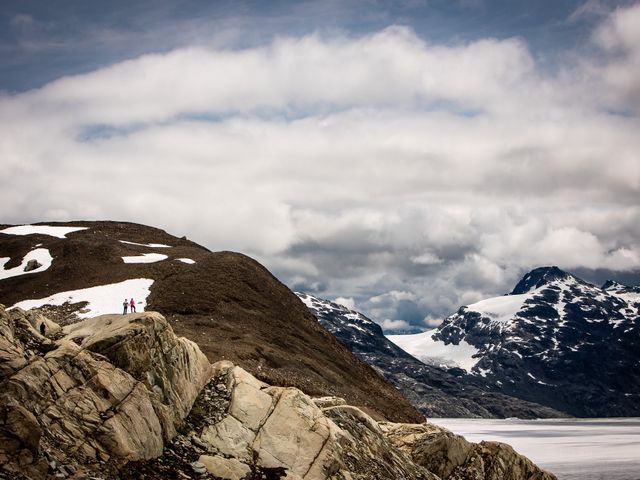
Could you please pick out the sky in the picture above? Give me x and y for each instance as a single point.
(404, 158)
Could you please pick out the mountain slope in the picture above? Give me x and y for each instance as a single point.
(226, 302)
(434, 391)
(556, 340)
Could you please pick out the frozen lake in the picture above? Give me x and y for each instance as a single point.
(585, 449)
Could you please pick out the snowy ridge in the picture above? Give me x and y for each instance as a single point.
(101, 300)
(439, 385)
(346, 318)
(553, 329)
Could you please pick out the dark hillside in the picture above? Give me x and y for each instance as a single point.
(226, 302)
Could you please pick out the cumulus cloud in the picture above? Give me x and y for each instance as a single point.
(391, 173)
(394, 324)
(346, 302)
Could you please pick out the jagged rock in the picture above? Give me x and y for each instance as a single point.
(451, 457)
(41, 323)
(198, 467)
(291, 432)
(67, 397)
(145, 346)
(21, 423)
(295, 434)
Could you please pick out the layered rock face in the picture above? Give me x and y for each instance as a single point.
(242, 428)
(122, 390)
(113, 388)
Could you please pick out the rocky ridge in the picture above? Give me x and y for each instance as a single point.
(226, 302)
(434, 391)
(121, 396)
(557, 340)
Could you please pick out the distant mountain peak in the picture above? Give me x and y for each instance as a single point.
(612, 285)
(620, 289)
(539, 277)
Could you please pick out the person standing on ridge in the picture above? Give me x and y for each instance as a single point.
(125, 304)
(133, 306)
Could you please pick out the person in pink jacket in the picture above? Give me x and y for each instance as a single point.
(133, 306)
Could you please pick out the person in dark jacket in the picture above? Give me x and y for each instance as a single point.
(125, 304)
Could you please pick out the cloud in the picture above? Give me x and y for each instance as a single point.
(396, 174)
(394, 324)
(346, 302)
(619, 36)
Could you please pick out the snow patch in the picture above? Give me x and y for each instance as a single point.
(103, 299)
(41, 255)
(501, 309)
(60, 232)
(145, 258)
(306, 299)
(430, 351)
(151, 245)
(186, 260)
(629, 297)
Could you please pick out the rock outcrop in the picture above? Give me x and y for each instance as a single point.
(122, 390)
(243, 428)
(450, 456)
(113, 388)
(232, 307)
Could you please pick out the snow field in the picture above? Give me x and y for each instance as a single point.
(433, 352)
(103, 299)
(60, 232)
(41, 255)
(501, 309)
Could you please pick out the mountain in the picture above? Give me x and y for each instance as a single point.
(555, 340)
(435, 391)
(227, 303)
(120, 397)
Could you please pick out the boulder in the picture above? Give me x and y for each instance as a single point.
(32, 265)
(112, 389)
(145, 346)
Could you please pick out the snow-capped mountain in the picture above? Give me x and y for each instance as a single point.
(555, 339)
(441, 392)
